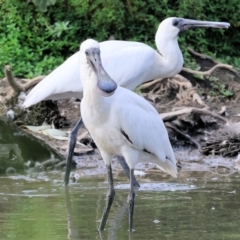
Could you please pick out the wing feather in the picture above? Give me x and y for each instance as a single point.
(63, 82)
(144, 127)
(126, 62)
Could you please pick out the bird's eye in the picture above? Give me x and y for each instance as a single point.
(175, 23)
(87, 52)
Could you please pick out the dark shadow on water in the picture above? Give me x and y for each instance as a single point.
(72, 231)
(17, 147)
(114, 223)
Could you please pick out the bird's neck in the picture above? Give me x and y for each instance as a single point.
(171, 58)
(89, 82)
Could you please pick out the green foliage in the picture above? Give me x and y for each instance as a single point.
(34, 42)
(43, 4)
(27, 42)
(219, 89)
(59, 28)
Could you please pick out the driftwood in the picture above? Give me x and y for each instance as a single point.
(178, 79)
(181, 81)
(18, 87)
(149, 84)
(190, 95)
(10, 89)
(10, 78)
(192, 110)
(225, 141)
(187, 93)
(201, 55)
(48, 163)
(206, 57)
(208, 72)
(30, 83)
(185, 136)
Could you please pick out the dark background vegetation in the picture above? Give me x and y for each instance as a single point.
(38, 35)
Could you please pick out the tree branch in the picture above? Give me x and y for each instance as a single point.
(17, 87)
(32, 82)
(193, 110)
(204, 56)
(201, 55)
(186, 136)
(208, 72)
(181, 81)
(149, 84)
(11, 80)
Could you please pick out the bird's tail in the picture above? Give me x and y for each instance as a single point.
(168, 167)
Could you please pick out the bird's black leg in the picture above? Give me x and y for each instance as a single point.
(126, 169)
(131, 198)
(72, 143)
(109, 200)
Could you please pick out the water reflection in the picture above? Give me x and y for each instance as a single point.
(7, 149)
(114, 223)
(18, 148)
(11, 158)
(47, 210)
(72, 229)
(36, 205)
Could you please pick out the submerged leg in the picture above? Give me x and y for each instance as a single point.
(72, 143)
(109, 200)
(126, 169)
(131, 198)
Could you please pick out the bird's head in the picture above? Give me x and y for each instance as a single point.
(171, 27)
(90, 52)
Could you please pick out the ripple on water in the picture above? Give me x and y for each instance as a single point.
(160, 186)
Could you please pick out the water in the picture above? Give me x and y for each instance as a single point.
(40, 207)
(17, 148)
(36, 205)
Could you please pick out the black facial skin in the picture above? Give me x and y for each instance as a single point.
(93, 53)
(177, 22)
(105, 84)
(181, 25)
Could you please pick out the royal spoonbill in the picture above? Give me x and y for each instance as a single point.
(128, 63)
(121, 123)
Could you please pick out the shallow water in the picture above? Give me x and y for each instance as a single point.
(197, 205)
(19, 150)
(40, 207)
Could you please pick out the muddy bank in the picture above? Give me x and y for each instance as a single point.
(18, 158)
(191, 162)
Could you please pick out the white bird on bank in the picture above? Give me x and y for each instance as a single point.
(129, 63)
(120, 123)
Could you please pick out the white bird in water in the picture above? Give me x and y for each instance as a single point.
(121, 123)
(128, 63)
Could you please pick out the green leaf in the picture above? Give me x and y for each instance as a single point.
(43, 4)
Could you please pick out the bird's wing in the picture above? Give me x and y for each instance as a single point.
(145, 130)
(61, 83)
(126, 62)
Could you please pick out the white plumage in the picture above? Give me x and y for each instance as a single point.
(120, 123)
(124, 123)
(133, 64)
(128, 63)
